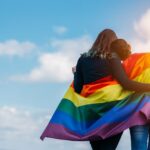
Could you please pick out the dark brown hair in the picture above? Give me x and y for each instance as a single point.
(101, 46)
(121, 47)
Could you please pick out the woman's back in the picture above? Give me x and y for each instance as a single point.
(90, 69)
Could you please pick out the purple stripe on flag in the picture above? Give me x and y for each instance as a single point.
(59, 132)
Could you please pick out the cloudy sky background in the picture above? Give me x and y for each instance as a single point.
(39, 43)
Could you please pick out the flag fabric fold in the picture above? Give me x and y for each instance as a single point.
(103, 108)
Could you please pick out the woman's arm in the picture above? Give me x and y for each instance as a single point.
(120, 75)
(78, 78)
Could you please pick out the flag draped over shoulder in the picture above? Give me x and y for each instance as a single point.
(103, 108)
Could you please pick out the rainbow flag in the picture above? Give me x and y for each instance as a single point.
(103, 108)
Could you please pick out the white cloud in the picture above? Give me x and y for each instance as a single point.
(14, 47)
(21, 129)
(138, 45)
(60, 29)
(15, 123)
(142, 28)
(56, 66)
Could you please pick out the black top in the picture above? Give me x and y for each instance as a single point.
(89, 69)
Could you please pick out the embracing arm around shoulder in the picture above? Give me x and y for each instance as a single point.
(120, 75)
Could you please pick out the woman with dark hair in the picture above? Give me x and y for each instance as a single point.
(100, 62)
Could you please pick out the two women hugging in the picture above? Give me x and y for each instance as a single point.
(110, 94)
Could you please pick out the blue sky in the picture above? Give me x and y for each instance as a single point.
(39, 43)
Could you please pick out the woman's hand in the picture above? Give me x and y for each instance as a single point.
(73, 69)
